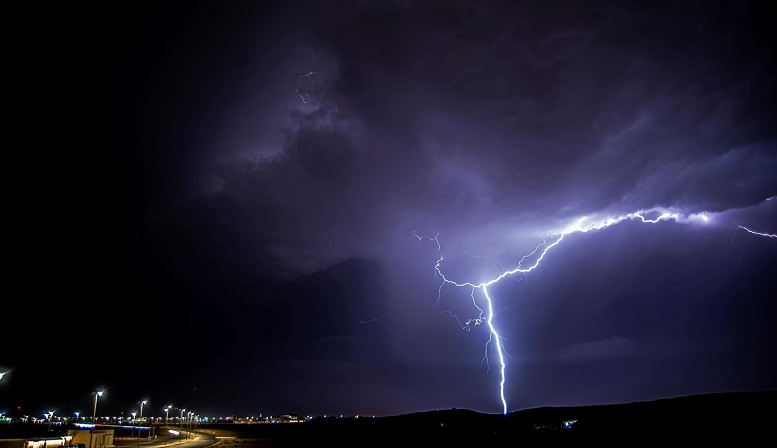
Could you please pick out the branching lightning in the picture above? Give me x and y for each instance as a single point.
(532, 260)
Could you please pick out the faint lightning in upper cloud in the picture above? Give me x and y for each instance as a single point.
(302, 80)
(312, 89)
(362, 321)
(532, 259)
(301, 92)
(365, 322)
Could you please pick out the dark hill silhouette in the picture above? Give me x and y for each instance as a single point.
(740, 418)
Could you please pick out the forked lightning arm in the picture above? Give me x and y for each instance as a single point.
(550, 241)
(769, 235)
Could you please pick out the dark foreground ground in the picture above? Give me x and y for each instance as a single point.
(728, 419)
(741, 419)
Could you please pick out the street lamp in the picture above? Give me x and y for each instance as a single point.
(94, 410)
(181, 421)
(141, 409)
(167, 412)
(76, 413)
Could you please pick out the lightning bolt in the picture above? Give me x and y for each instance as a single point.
(525, 265)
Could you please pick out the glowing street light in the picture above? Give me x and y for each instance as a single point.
(94, 410)
(189, 422)
(181, 421)
(141, 409)
(185, 424)
(77, 414)
(167, 412)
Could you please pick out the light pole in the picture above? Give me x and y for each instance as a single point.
(167, 412)
(141, 410)
(76, 413)
(180, 422)
(98, 393)
(50, 416)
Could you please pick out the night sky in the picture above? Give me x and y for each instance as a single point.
(238, 208)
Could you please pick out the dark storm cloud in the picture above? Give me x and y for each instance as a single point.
(490, 124)
(452, 115)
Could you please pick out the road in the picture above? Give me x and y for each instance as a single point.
(194, 440)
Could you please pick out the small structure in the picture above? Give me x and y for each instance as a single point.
(92, 438)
